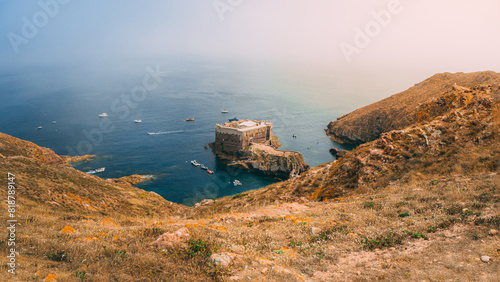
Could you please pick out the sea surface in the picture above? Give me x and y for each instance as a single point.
(299, 101)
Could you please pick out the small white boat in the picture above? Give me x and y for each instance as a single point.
(103, 115)
(195, 163)
(96, 171)
(137, 120)
(40, 127)
(237, 183)
(224, 111)
(203, 167)
(53, 121)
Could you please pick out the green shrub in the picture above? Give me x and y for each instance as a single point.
(57, 256)
(381, 241)
(369, 204)
(121, 254)
(240, 195)
(198, 247)
(419, 235)
(82, 275)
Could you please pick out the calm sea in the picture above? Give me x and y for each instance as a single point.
(300, 101)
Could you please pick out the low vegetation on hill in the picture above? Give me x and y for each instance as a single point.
(401, 110)
(417, 203)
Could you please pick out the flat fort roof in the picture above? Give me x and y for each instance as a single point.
(244, 125)
(247, 123)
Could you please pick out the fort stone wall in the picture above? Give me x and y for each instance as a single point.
(233, 137)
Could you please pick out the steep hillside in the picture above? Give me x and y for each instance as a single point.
(429, 228)
(463, 140)
(401, 110)
(45, 180)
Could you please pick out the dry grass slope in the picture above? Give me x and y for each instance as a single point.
(399, 111)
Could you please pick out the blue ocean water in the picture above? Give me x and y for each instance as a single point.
(300, 102)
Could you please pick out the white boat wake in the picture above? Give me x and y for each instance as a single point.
(165, 132)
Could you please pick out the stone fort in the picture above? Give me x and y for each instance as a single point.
(235, 136)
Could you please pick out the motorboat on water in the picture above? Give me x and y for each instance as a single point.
(209, 171)
(195, 163)
(137, 120)
(233, 119)
(40, 127)
(53, 122)
(103, 115)
(96, 170)
(237, 183)
(203, 167)
(190, 119)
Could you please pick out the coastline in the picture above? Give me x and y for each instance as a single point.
(132, 179)
(77, 159)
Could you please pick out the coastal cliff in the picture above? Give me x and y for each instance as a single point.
(402, 109)
(47, 180)
(283, 164)
(455, 133)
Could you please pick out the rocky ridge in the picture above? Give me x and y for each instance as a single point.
(267, 159)
(274, 162)
(402, 109)
(444, 143)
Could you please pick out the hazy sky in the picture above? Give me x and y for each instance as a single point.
(440, 35)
